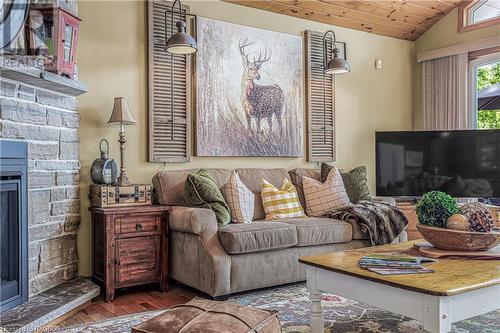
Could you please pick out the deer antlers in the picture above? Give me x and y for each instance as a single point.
(244, 43)
(260, 61)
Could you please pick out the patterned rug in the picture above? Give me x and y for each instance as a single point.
(292, 301)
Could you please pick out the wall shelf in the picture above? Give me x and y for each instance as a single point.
(40, 78)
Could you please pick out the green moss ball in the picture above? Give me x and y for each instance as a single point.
(435, 208)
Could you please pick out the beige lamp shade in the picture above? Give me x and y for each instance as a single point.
(121, 114)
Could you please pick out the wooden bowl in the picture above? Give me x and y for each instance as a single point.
(456, 240)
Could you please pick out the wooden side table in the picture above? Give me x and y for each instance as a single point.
(130, 247)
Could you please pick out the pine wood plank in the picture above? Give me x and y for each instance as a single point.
(291, 10)
(331, 8)
(370, 7)
(400, 18)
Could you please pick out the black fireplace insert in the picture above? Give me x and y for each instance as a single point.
(13, 224)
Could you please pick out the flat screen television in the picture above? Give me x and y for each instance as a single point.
(464, 164)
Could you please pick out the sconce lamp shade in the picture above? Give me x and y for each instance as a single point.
(337, 65)
(181, 42)
(121, 114)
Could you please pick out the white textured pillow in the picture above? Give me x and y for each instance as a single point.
(239, 199)
(322, 198)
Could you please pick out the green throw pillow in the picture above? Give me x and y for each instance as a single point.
(200, 190)
(355, 182)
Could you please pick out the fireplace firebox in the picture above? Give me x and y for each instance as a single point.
(13, 224)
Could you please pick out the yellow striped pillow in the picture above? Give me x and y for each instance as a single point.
(283, 203)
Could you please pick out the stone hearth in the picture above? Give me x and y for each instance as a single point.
(41, 109)
(47, 306)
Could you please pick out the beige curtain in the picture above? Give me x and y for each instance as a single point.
(445, 93)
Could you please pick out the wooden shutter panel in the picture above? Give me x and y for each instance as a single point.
(320, 121)
(169, 130)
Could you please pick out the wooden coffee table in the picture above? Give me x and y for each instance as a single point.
(459, 289)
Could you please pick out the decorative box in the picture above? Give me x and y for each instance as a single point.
(116, 196)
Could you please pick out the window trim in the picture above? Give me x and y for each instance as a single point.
(472, 82)
(464, 24)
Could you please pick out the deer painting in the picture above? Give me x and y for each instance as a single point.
(250, 91)
(259, 101)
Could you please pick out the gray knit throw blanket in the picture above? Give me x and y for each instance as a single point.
(383, 222)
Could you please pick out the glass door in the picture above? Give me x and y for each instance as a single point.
(484, 91)
(10, 284)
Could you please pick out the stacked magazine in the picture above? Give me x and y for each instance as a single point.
(395, 264)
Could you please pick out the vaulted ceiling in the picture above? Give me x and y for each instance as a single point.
(403, 19)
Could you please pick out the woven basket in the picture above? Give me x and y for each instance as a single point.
(200, 315)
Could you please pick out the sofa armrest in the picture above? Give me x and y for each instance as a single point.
(195, 240)
(387, 200)
(198, 221)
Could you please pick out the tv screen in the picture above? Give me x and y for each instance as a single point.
(464, 164)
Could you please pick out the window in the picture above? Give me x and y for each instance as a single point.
(485, 91)
(477, 14)
(484, 10)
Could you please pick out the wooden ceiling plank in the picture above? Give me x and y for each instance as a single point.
(285, 9)
(405, 8)
(403, 19)
(351, 23)
(363, 17)
(426, 9)
(431, 18)
(383, 12)
(435, 5)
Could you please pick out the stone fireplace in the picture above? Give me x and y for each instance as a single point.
(41, 110)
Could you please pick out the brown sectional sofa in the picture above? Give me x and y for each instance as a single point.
(241, 257)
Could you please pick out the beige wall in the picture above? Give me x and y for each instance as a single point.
(113, 62)
(442, 34)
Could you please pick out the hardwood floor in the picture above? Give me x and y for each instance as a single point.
(129, 301)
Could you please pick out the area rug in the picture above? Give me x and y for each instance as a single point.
(292, 301)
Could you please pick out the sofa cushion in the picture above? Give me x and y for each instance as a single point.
(296, 178)
(319, 230)
(355, 181)
(252, 178)
(237, 238)
(281, 203)
(200, 190)
(169, 185)
(239, 199)
(323, 198)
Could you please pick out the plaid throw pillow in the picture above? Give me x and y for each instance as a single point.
(239, 199)
(283, 203)
(322, 198)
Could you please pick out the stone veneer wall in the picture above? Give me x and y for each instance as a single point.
(48, 122)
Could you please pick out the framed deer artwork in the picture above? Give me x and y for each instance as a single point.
(249, 91)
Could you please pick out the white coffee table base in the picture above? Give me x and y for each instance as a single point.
(436, 312)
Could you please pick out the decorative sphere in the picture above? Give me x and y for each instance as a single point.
(479, 216)
(435, 207)
(458, 222)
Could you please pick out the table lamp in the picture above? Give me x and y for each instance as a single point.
(122, 117)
